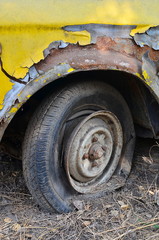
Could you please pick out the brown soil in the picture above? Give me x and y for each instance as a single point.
(130, 213)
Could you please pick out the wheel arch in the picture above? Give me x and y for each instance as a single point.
(64, 65)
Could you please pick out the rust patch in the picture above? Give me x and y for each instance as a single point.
(105, 43)
(105, 54)
(118, 53)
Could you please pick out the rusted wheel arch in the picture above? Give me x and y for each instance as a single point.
(88, 58)
(104, 55)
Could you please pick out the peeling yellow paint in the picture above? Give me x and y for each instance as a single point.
(36, 80)
(145, 74)
(140, 29)
(21, 49)
(138, 75)
(147, 78)
(70, 70)
(148, 82)
(15, 109)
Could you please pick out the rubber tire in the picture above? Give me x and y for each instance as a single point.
(43, 170)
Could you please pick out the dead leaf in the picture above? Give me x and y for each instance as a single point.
(122, 216)
(108, 206)
(7, 220)
(147, 160)
(152, 193)
(16, 227)
(87, 207)
(141, 188)
(86, 223)
(1, 236)
(121, 203)
(129, 214)
(125, 207)
(14, 174)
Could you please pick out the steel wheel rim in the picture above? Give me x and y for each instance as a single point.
(93, 151)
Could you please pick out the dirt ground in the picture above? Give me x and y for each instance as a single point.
(130, 213)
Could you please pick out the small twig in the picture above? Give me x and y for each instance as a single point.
(37, 227)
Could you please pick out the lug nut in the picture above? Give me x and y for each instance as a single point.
(85, 156)
(95, 139)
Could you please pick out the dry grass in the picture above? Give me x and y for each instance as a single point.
(129, 213)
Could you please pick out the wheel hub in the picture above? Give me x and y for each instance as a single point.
(96, 151)
(93, 151)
